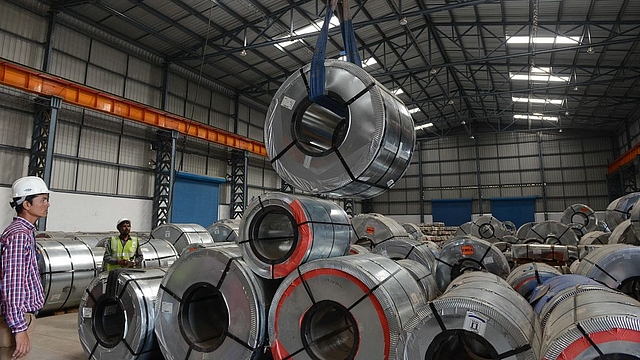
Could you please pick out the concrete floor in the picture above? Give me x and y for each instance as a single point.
(56, 338)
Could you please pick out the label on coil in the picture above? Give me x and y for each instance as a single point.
(167, 233)
(87, 312)
(371, 230)
(288, 102)
(475, 323)
(467, 250)
(166, 307)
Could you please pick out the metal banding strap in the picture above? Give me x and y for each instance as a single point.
(515, 351)
(226, 271)
(374, 288)
(437, 316)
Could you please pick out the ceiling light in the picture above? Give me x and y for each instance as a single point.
(450, 102)
(471, 137)
(547, 78)
(566, 113)
(537, 101)
(535, 116)
(463, 122)
(403, 21)
(311, 28)
(560, 130)
(397, 91)
(243, 52)
(590, 50)
(433, 71)
(575, 88)
(414, 110)
(423, 126)
(543, 40)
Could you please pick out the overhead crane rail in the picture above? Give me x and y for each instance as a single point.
(34, 81)
(624, 159)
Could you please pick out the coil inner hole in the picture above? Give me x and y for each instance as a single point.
(109, 322)
(460, 345)
(204, 317)
(274, 235)
(329, 332)
(318, 130)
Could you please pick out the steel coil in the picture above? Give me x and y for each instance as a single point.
(546, 293)
(96, 242)
(624, 234)
(182, 235)
(553, 232)
(373, 229)
(593, 325)
(580, 214)
(526, 277)
(511, 227)
(489, 228)
(595, 237)
(281, 231)
(224, 230)
(116, 315)
(398, 249)
(315, 150)
(157, 253)
(66, 267)
(355, 249)
(212, 306)
(414, 231)
(478, 317)
(523, 230)
(464, 229)
(350, 307)
(468, 253)
(541, 252)
(579, 229)
(423, 276)
(617, 266)
(619, 209)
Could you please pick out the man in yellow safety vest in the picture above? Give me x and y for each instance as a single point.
(122, 251)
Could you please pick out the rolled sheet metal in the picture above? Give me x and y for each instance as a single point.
(478, 317)
(526, 277)
(489, 228)
(96, 242)
(464, 229)
(553, 232)
(414, 231)
(540, 252)
(511, 227)
(350, 307)
(624, 234)
(468, 253)
(281, 231)
(157, 253)
(373, 229)
(546, 293)
(580, 214)
(593, 325)
(398, 249)
(66, 267)
(594, 238)
(579, 229)
(224, 230)
(315, 150)
(211, 305)
(116, 317)
(423, 276)
(617, 266)
(523, 230)
(355, 249)
(619, 209)
(182, 235)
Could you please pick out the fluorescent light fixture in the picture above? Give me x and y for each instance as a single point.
(311, 28)
(423, 126)
(537, 101)
(369, 62)
(414, 110)
(539, 74)
(535, 116)
(544, 40)
(398, 91)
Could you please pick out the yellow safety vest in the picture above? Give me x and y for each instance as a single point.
(126, 252)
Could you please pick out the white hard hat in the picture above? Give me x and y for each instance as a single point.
(120, 221)
(25, 186)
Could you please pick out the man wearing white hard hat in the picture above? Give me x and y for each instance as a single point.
(122, 251)
(20, 287)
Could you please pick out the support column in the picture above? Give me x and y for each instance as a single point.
(543, 180)
(165, 147)
(285, 187)
(42, 142)
(622, 181)
(239, 165)
(349, 206)
(420, 181)
(478, 177)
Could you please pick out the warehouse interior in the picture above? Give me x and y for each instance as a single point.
(501, 120)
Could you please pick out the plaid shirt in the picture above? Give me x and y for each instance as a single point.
(20, 286)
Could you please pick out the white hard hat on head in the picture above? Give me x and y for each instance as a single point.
(25, 186)
(120, 221)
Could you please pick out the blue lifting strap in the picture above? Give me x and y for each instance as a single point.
(317, 76)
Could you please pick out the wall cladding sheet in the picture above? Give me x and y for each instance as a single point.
(68, 67)
(105, 80)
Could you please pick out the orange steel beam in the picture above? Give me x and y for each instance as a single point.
(36, 82)
(626, 158)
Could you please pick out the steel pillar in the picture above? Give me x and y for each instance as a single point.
(165, 147)
(285, 187)
(239, 165)
(349, 206)
(367, 206)
(622, 181)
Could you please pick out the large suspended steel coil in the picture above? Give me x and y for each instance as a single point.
(373, 229)
(546, 293)
(617, 266)
(488, 228)
(224, 230)
(116, 316)
(349, 307)
(594, 238)
(620, 209)
(523, 230)
(315, 150)
(580, 214)
(464, 229)
(540, 252)
(593, 325)
(425, 278)
(468, 253)
(182, 235)
(398, 249)
(624, 234)
(553, 232)
(281, 231)
(157, 253)
(414, 231)
(478, 317)
(66, 267)
(212, 306)
(526, 277)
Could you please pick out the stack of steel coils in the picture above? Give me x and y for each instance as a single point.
(281, 231)
(624, 234)
(212, 306)
(414, 231)
(617, 266)
(552, 232)
(359, 155)
(116, 315)
(489, 228)
(224, 230)
(619, 209)
(373, 229)
(580, 214)
(468, 253)
(544, 297)
(157, 253)
(350, 307)
(595, 237)
(526, 277)
(478, 317)
(182, 235)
